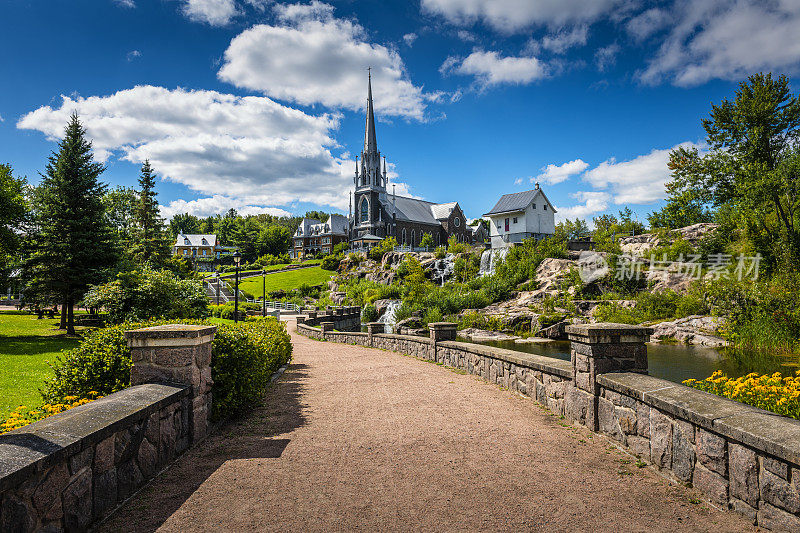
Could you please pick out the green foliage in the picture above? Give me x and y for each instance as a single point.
(330, 262)
(318, 215)
(13, 211)
(683, 208)
(478, 320)
(144, 294)
(369, 313)
(650, 306)
(571, 229)
(440, 252)
(386, 245)
(243, 358)
(74, 245)
(341, 249)
(466, 267)
(456, 247)
(426, 241)
(151, 245)
(101, 363)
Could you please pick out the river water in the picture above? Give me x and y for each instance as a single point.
(673, 362)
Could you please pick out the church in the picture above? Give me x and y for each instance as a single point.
(376, 213)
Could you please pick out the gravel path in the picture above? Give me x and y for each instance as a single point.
(358, 439)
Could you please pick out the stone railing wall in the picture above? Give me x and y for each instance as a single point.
(342, 318)
(72, 469)
(742, 458)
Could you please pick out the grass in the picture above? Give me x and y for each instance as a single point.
(26, 345)
(270, 268)
(287, 281)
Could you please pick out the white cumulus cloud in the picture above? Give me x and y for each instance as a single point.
(310, 57)
(514, 15)
(639, 180)
(217, 204)
(251, 149)
(552, 174)
(490, 68)
(560, 42)
(727, 39)
(593, 202)
(212, 12)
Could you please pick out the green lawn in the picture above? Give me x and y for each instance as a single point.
(26, 344)
(271, 268)
(287, 280)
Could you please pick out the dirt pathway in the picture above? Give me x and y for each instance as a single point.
(358, 439)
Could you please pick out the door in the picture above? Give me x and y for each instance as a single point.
(506, 224)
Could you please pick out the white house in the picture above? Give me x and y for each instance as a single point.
(521, 215)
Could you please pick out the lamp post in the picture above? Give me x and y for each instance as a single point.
(263, 293)
(237, 258)
(217, 288)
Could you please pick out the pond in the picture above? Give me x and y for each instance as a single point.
(673, 362)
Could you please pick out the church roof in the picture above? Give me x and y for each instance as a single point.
(517, 201)
(443, 211)
(336, 224)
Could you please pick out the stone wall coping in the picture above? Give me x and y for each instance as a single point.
(602, 332)
(549, 365)
(409, 338)
(769, 432)
(170, 335)
(344, 333)
(48, 441)
(442, 325)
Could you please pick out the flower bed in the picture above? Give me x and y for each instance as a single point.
(771, 392)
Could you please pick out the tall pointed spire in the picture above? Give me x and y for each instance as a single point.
(370, 140)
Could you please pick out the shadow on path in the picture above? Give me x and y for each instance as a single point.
(254, 436)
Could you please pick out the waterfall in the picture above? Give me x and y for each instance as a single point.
(489, 259)
(389, 317)
(443, 268)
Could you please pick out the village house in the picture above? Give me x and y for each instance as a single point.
(204, 250)
(521, 215)
(313, 237)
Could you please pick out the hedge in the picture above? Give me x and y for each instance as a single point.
(243, 357)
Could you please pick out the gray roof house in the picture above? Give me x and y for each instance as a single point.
(521, 215)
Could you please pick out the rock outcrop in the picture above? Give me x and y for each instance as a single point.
(695, 329)
(641, 245)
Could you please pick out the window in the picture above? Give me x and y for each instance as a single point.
(534, 206)
(544, 207)
(457, 222)
(413, 236)
(404, 236)
(185, 252)
(364, 210)
(507, 221)
(205, 253)
(515, 220)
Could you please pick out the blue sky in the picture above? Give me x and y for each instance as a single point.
(258, 105)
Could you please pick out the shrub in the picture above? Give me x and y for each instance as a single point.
(475, 319)
(369, 313)
(426, 241)
(243, 358)
(330, 262)
(387, 245)
(146, 294)
(456, 247)
(440, 252)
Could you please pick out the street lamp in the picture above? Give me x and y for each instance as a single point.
(263, 293)
(217, 288)
(237, 258)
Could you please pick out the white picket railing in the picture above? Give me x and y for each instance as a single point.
(284, 306)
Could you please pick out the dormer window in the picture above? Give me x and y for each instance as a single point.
(544, 207)
(205, 242)
(185, 241)
(534, 206)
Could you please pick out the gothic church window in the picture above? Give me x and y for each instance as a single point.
(364, 210)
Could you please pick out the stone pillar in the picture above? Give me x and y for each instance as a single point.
(326, 327)
(373, 328)
(311, 315)
(600, 349)
(442, 331)
(177, 354)
(339, 311)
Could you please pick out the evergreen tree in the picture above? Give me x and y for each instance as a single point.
(152, 244)
(73, 244)
(13, 211)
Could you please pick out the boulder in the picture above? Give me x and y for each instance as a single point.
(549, 275)
(696, 329)
(641, 245)
(338, 298)
(382, 305)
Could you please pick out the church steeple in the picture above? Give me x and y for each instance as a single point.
(370, 140)
(370, 175)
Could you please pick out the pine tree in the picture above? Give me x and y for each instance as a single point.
(152, 244)
(73, 245)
